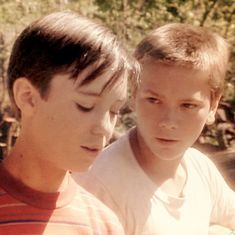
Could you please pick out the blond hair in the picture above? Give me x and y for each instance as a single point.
(189, 46)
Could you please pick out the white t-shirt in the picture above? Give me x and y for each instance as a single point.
(144, 209)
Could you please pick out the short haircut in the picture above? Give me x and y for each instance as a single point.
(189, 46)
(65, 42)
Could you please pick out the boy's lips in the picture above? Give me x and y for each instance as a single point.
(92, 149)
(166, 140)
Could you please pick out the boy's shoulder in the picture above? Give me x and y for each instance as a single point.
(200, 161)
(91, 203)
(115, 153)
(76, 205)
(96, 209)
(196, 155)
(105, 170)
(119, 145)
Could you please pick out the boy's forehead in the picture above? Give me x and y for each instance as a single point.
(160, 76)
(149, 61)
(155, 67)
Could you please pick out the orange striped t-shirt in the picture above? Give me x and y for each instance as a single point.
(74, 211)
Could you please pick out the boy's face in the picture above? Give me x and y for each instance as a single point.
(172, 106)
(75, 123)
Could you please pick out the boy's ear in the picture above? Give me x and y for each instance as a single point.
(212, 112)
(25, 95)
(211, 118)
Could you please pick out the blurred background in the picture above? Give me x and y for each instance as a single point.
(131, 20)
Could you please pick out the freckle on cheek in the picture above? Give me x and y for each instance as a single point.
(51, 118)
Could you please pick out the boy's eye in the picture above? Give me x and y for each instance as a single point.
(83, 108)
(153, 100)
(189, 105)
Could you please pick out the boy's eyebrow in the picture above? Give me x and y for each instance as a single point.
(90, 93)
(94, 94)
(151, 92)
(197, 100)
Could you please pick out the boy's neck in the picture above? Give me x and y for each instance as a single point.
(37, 175)
(169, 175)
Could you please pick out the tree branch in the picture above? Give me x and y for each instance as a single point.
(207, 12)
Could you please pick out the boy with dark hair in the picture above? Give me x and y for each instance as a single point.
(67, 78)
(151, 177)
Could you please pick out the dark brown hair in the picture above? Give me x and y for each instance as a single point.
(65, 42)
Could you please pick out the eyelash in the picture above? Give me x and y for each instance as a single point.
(86, 109)
(83, 109)
(189, 106)
(185, 105)
(153, 100)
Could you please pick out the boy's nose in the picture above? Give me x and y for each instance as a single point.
(169, 120)
(102, 125)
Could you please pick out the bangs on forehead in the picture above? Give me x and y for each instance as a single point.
(116, 69)
(68, 43)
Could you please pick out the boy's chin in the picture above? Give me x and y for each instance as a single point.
(169, 155)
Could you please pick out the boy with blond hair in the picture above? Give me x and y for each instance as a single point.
(151, 177)
(67, 78)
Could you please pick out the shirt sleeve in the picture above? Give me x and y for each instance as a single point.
(223, 199)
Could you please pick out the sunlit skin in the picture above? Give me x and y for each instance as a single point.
(65, 131)
(172, 105)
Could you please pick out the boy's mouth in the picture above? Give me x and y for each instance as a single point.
(163, 140)
(91, 149)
